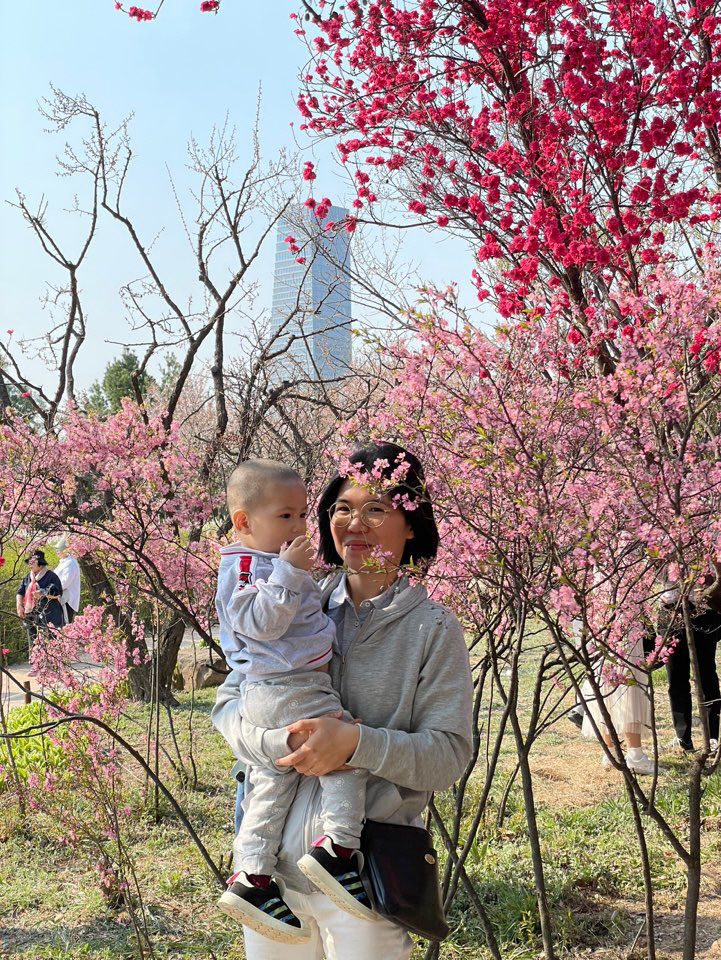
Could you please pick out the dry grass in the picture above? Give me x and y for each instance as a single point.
(51, 906)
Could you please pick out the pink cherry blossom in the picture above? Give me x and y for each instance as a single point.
(137, 13)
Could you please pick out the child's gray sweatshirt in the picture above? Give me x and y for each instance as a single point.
(271, 621)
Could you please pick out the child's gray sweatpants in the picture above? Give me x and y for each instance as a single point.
(271, 704)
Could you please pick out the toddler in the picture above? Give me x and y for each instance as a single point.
(273, 629)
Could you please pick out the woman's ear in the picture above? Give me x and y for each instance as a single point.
(240, 520)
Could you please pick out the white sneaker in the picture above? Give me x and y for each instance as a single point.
(675, 745)
(643, 765)
(713, 744)
(606, 762)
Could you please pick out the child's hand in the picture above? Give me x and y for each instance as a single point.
(300, 553)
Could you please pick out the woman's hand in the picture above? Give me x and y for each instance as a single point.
(298, 738)
(329, 743)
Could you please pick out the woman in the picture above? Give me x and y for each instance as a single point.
(38, 597)
(627, 701)
(401, 667)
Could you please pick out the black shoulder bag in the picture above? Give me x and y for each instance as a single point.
(400, 875)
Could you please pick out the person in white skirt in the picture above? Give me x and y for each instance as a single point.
(624, 690)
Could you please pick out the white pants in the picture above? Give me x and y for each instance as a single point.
(335, 935)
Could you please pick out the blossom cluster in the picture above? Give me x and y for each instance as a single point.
(572, 484)
(127, 491)
(566, 145)
(92, 637)
(139, 14)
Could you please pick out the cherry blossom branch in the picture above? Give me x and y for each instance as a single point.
(68, 717)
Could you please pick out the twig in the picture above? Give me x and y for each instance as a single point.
(635, 939)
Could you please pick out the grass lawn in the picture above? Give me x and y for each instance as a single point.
(52, 905)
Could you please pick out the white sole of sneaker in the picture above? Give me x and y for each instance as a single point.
(252, 917)
(333, 890)
(641, 771)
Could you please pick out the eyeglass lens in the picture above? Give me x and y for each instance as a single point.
(371, 514)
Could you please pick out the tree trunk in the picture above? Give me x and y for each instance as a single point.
(142, 678)
(534, 839)
(693, 874)
(647, 875)
(693, 885)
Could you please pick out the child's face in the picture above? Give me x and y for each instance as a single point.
(275, 520)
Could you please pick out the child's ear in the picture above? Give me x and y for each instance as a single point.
(240, 520)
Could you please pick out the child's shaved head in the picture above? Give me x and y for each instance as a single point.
(250, 481)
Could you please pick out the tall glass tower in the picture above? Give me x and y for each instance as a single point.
(312, 300)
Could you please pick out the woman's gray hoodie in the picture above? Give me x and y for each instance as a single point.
(407, 678)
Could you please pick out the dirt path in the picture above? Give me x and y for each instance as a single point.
(13, 695)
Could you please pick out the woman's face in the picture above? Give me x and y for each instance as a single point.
(361, 547)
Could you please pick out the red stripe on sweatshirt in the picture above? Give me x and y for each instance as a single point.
(316, 659)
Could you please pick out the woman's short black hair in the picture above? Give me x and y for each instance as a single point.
(421, 549)
(39, 556)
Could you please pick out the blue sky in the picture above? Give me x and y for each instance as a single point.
(179, 76)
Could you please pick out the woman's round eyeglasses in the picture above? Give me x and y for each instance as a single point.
(371, 514)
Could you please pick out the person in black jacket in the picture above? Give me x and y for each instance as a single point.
(706, 626)
(38, 597)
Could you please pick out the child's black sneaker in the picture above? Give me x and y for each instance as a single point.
(337, 877)
(263, 909)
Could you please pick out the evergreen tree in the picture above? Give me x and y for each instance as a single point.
(105, 395)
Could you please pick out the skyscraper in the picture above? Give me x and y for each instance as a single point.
(312, 299)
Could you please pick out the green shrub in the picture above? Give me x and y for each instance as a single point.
(34, 754)
(12, 633)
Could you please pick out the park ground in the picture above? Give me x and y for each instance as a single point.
(51, 905)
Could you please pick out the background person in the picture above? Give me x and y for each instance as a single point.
(68, 572)
(38, 598)
(624, 689)
(400, 665)
(705, 608)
